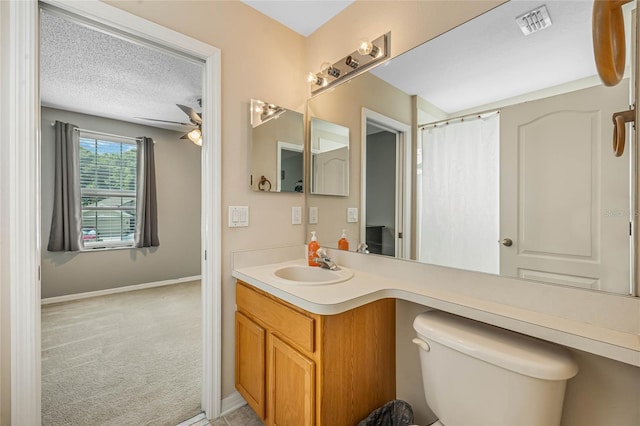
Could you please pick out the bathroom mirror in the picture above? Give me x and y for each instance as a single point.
(329, 158)
(277, 148)
(540, 196)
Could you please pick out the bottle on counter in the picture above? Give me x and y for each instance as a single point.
(343, 243)
(312, 248)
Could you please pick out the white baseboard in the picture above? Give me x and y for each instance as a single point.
(231, 402)
(69, 297)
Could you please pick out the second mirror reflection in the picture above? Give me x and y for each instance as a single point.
(277, 148)
(329, 158)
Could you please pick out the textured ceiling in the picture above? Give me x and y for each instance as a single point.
(488, 59)
(91, 72)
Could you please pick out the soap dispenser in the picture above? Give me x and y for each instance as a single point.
(312, 248)
(343, 243)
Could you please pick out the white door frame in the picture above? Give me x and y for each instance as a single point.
(403, 178)
(21, 217)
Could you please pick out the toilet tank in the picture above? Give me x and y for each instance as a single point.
(477, 374)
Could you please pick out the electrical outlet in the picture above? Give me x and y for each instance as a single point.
(313, 215)
(296, 215)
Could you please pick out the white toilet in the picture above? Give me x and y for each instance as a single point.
(475, 374)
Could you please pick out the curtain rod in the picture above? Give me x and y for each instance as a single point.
(104, 134)
(462, 118)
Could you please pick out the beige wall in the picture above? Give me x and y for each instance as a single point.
(178, 188)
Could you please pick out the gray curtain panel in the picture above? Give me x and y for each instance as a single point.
(147, 209)
(66, 223)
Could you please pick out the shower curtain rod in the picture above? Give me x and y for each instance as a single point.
(105, 134)
(461, 118)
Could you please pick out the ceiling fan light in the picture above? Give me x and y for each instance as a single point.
(195, 136)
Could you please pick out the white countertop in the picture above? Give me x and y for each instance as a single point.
(570, 317)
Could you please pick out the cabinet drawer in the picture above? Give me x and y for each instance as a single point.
(285, 322)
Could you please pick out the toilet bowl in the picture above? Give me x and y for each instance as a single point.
(476, 374)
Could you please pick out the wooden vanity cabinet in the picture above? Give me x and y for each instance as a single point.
(296, 368)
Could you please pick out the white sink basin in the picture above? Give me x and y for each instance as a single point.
(311, 275)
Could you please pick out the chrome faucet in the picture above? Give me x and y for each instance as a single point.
(324, 260)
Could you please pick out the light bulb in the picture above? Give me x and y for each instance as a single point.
(195, 136)
(325, 69)
(365, 47)
(311, 78)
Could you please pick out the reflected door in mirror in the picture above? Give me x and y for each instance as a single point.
(565, 197)
(329, 158)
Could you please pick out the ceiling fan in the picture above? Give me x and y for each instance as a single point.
(195, 119)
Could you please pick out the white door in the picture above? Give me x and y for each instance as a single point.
(564, 196)
(330, 170)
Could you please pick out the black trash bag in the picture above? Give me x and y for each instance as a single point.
(393, 413)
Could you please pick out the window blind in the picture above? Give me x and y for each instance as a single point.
(108, 170)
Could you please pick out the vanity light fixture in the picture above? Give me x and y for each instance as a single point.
(368, 54)
(352, 62)
(316, 79)
(261, 112)
(329, 70)
(368, 48)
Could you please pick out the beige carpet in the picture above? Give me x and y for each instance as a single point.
(125, 359)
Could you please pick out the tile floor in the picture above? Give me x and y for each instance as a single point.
(243, 416)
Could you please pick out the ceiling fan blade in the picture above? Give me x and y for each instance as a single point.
(164, 121)
(193, 116)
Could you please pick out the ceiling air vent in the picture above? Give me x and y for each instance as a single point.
(534, 20)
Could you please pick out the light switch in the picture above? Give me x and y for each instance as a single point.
(313, 215)
(352, 214)
(296, 215)
(238, 216)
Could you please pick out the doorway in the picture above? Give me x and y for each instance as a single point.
(120, 323)
(23, 195)
(386, 185)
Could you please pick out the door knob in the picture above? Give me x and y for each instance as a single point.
(507, 242)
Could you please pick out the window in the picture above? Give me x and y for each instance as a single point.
(108, 171)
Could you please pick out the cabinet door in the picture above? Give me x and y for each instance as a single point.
(250, 363)
(292, 384)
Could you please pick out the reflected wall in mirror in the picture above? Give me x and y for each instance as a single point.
(329, 158)
(277, 148)
(511, 169)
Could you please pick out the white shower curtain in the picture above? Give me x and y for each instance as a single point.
(459, 197)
